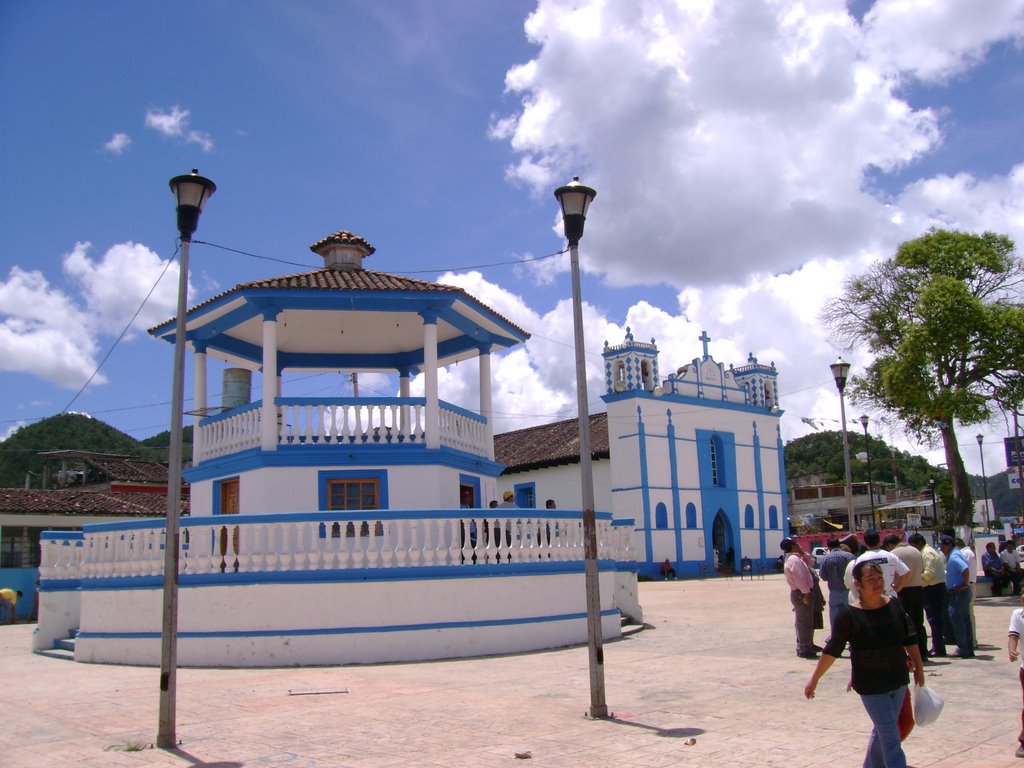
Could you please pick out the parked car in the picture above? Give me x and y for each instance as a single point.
(1020, 550)
(818, 553)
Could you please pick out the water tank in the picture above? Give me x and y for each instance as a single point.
(237, 388)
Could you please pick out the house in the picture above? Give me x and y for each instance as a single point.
(328, 530)
(696, 458)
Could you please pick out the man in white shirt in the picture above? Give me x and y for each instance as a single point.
(895, 571)
(1012, 560)
(972, 575)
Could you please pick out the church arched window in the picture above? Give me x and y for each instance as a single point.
(661, 515)
(773, 517)
(748, 517)
(691, 516)
(717, 462)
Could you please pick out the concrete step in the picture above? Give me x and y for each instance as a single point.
(58, 653)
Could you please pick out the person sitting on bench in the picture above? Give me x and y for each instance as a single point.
(667, 571)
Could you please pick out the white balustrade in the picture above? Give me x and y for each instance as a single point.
(310, 542)
(303, 421)
(230, 434)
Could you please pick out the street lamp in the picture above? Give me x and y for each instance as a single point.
(575, 198)
(984, 478)
(871, 487)
(840, 370)
(191, 192)
(935, 511)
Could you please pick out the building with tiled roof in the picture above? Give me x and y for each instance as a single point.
(107, 471)
(550, 445)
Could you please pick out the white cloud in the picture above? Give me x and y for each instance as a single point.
(728, 140)
(173, 124)
(115, 286)
(49, 333)
(736, 150)
(936, 41)
(118, 144)
(42, 332)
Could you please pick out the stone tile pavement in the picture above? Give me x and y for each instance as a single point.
(715, 664)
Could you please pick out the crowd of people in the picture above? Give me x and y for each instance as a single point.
(882, 591)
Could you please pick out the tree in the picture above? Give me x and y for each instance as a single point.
(944, 322)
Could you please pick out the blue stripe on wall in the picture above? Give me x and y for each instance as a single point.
(483, 623)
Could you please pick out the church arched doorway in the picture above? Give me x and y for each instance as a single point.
(723, 549)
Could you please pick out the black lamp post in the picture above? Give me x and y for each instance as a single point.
(840, 371)
(191, 191)
(575, 198)
(871, 486)
(935, 511)
(984, 478)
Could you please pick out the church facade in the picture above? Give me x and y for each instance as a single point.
(695, 458)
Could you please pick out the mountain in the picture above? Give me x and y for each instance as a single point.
(19, 453)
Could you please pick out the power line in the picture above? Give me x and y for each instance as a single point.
(434, 270)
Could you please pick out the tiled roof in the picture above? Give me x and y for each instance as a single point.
(550, 445)
(118, 467)
(343, 237)
(72, 503)
(348, 280)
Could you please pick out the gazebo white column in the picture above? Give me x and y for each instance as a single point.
(199, 401)
(433, 409)
(486, 406)
(268, 414)
(403, 391)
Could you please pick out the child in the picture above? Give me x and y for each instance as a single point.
(1016, 629)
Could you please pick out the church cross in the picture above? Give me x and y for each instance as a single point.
(705, 339)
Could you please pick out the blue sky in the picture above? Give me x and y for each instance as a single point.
(747, 156)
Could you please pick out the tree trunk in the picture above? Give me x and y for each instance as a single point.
(963, 504)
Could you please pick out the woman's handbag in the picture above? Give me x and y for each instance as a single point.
(927, 705)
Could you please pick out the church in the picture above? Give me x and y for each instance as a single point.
(694, 457)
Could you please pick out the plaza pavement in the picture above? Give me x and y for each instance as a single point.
(716, 664)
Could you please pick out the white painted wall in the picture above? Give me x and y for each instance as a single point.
(297, 489)
(562, 484)
(347, 622)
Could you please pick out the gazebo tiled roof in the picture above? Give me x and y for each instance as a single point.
(550, 445)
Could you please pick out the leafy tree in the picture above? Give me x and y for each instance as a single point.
(944, 322)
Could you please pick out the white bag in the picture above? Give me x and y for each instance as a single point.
(927, 705)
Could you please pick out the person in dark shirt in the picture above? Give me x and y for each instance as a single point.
(832, 570)
(881, 636)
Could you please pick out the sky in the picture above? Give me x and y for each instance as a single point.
(748, 157)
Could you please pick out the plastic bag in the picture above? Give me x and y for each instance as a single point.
(927, 705)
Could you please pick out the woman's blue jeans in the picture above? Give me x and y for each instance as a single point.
(884, 750)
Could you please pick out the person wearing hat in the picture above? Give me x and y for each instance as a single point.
(9, 604)
(801, 583)
(958, 597)
(508, 499)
